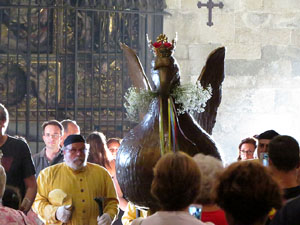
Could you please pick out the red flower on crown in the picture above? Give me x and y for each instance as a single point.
(162, 48)
(166, 44)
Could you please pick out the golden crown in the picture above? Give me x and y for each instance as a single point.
(162, 48)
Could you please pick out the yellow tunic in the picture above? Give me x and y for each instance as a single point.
(130, 214)
(82, 186)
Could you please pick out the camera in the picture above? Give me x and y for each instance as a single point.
(195, 210)
(264, 158)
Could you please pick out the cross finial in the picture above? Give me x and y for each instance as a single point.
(210, 5)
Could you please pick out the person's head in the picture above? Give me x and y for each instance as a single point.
(52, 133)
(70, 127)
(176, 182)
(247, 148)
(113, 145)
(210, 168)
(99, 152)
(75, 151)
(247, 192)
(284, 153)
(2, 181)
(264, 140)
(4, 118)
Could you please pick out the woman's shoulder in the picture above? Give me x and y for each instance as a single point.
(170, 218)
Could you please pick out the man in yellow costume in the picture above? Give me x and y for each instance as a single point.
(66, 191)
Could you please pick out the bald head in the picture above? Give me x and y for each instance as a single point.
(70, 127)
(4, 118)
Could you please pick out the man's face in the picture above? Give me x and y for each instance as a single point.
(262, 146)
(113, 148)
(75, 155)
(72, 129)
(52, 137)
(247, 151)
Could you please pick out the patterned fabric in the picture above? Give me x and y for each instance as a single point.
(13, 217)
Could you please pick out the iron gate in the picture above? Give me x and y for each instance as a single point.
(61, 59)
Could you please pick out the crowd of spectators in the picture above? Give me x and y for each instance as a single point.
(58, 185)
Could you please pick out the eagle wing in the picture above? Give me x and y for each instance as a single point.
(135, 69)
(212, 74)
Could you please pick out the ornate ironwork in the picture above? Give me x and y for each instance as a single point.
(61, 59)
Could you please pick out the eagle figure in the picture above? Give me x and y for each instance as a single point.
(162, 128)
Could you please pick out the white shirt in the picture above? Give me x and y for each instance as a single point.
(170, 218)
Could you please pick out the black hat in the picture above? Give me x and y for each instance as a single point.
(269, 134)
(74, 138)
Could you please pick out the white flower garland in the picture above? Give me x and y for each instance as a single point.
(138, 101)
(191, 98)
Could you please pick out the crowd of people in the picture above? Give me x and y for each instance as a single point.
(72, 180)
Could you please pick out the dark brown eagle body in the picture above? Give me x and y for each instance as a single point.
(141, 147)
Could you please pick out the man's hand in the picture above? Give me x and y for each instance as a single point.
(104, 219)
(25, 205)
(63, 213)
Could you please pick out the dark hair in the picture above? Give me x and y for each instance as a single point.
(269, 134)
(176, 182)
(54, 123)
(284, 153)
(114, 140)
(247, 192)
(98, 149)
(248, 140)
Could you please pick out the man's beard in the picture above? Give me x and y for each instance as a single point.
(75, 166)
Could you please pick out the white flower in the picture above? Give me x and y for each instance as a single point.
(191, 98)
(138, 101)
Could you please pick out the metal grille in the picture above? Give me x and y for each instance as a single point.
(62, 59)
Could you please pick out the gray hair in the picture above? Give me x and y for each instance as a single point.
(210, 168)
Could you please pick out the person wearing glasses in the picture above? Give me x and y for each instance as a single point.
(66, 191)
(246, 149)
(51, 154)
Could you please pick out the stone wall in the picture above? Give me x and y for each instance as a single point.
(261, 90)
